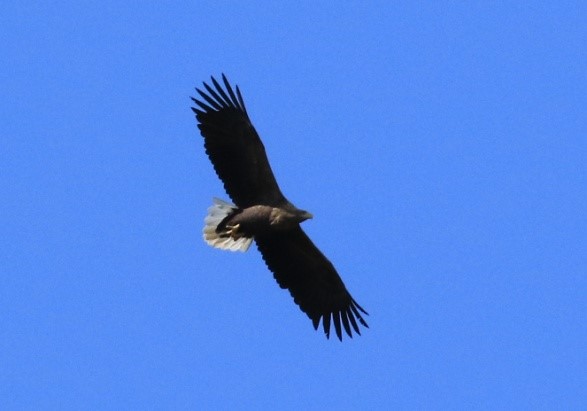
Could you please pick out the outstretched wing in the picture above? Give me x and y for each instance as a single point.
(234, 147)
(312, 280)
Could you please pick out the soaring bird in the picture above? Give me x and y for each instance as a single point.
(262, 213)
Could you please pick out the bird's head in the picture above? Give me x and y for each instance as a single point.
(287, 217)
(303, 215)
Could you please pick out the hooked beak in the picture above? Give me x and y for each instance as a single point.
(307, 216)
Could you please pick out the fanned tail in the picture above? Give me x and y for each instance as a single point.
(223, 239)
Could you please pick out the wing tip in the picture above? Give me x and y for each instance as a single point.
(218, 98)
(342, 320)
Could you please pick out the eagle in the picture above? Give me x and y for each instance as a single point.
(262, 213)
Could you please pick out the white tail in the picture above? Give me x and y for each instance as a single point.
(223, 240)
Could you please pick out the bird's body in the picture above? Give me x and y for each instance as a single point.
(263, 214)
(261, 219)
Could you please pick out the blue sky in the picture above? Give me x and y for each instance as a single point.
(441, 148)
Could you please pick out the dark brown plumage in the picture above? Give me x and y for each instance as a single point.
(261, 212)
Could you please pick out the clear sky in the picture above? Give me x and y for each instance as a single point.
(442, 148)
